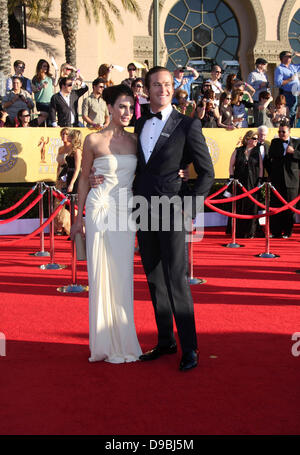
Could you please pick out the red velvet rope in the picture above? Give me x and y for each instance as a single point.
(288, 204)
(236, 198)
(10, 209)
(39, 229)
(219, 191)
(33, 203)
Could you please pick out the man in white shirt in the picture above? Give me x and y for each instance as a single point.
(216, 85)
(64, 104)
(168, 140)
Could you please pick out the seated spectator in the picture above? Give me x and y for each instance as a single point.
(141, 102)
(184, 81)
(239, 105)
(19, 67)
(184, 106)
(94, 108)
(104, 72)
(23, 119)
(131, 68)
(230, 80)
(216, 74)
(64, 104)
(43, 85)
(225, 110)
(4, 121)
(264, 114)
(16, 99)
(281, 112)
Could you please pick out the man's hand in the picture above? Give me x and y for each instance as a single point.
(95, 180)
(290, 149)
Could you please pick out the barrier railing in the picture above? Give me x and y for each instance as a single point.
(209, 202)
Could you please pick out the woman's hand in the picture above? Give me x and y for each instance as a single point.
(70, 188)
(77, 228)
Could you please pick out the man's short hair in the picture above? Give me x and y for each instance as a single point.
(284, 53)
(18, 62)
(129, 65)
(155, 69)
(63, 81)
(14, 78)
(99, 80)
(285, 123)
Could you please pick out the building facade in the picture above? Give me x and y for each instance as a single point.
(200, 31)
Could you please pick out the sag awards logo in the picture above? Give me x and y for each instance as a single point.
(48, 149)
(213, 148)
(8, 155)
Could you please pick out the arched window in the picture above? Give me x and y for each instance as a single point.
(201, 30)
(294, 35)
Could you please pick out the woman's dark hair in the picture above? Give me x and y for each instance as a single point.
(38, 71)
(136, 81)
(111, 94)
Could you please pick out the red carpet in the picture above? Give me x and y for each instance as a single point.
(247, 382)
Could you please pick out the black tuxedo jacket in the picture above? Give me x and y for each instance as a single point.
(181, 142)
(61, 108)
(284, 169)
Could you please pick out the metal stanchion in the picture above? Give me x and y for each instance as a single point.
(52, 265)
(74, 287)
(233, 243)
(190, 253)
(42, 252)
(267, 253)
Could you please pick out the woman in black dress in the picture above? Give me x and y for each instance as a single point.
(73, 161)
(246, 165)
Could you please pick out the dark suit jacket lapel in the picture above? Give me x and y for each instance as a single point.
(138, 130)
(170, 126)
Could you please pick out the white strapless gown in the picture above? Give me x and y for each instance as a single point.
(110, 263)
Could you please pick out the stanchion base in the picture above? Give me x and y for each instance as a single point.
(73, 288)
(233, 245)
(267, 255)
(52, 267)
(196, 281)
(40, 253)
(297, 271)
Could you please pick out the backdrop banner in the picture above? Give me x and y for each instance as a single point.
(29, 154)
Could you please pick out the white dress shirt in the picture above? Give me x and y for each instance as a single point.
(152, 130)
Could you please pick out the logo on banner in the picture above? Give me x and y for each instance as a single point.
(8, 155)
(213, 148)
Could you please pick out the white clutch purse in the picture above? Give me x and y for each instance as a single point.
(80, 247)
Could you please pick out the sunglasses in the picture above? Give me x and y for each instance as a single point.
(69, 85)
(140, 86)
(228, 99)
(26, 115)
(254, 138)
(218, 72)
(131, 69)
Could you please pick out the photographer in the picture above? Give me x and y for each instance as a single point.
(184, 81)
(207, 110)
(16, 99)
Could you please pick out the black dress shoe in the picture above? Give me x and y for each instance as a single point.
(158, 351)
(189, 360)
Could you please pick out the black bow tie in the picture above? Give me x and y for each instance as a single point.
(150, 115)
(285, 142)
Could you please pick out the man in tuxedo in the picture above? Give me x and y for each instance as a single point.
(167, 141)
(65, 104)
(283, 168)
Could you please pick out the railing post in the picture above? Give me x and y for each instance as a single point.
(42, 251)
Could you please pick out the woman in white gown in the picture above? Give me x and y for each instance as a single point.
(112, 153)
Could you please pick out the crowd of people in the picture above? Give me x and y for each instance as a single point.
(51, 97)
